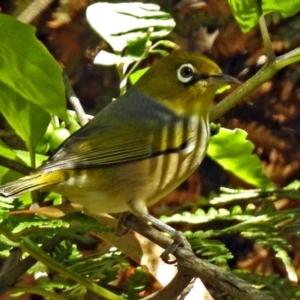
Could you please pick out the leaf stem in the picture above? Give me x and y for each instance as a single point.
(35, 290)
(264, 31)
(31, 248)
(121, 71)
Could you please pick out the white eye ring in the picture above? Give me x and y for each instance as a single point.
(185, 73)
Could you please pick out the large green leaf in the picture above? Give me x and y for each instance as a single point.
(245, 14)
(27, 119)
(30, 81)
(124, 24)
(234, 153)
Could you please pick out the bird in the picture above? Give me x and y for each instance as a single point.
(140, 147)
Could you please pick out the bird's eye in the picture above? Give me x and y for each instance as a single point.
(185, 73)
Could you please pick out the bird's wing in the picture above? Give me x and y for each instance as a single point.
(111, 137)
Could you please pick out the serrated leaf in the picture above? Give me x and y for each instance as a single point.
(5, 205)
(30, 81)
(224, 212)
(231, 150)
(39, 223)
(250, 208)
(123, 24)
(237, 210)
(245, 14)
(212, 212)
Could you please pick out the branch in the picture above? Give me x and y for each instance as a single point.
(14, 165)
(175, 288)
(264, 74)
(264, 31)
(75, 102)
(189, 265)
(33, 10)
(181, 285)
(210, 273)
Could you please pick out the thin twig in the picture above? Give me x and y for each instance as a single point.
(264, 31)
(14, 165)
(7, 133)
(74, 101)
(175, 288)
(33, 10)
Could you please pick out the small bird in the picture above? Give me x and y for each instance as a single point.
(140, 147)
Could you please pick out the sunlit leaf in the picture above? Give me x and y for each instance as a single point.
(109, 59)
(124, 24)
(245, 14)
(134, 77)
(30, 81)
(231, 150)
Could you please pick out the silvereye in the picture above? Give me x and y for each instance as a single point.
(141, 146)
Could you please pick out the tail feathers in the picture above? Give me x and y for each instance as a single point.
(29, 183)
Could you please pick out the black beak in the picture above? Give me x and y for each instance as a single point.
(220, 79)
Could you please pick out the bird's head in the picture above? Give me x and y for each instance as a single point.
(185, 82)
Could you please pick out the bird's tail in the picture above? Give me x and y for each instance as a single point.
(35, 181)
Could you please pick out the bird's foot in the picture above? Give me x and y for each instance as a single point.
(121, 229)
(179, 241)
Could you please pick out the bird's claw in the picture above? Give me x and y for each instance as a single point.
(179, 241)
(165, 256)
(121, 229)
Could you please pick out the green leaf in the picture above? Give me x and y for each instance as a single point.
(5, 206)
(109, 59)
(245, 14)
(134, 77)
(30, 81)
(7, 175)
(233, 152)
(25, 157)
(27, 119)
(124, 24)
(19, 156)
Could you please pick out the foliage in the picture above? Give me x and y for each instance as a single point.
(245, 11)
(21, 84)
(136, 19)
(248, 214)
(141, 24)
(279, 288)
(234, 153)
